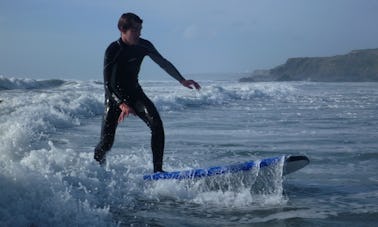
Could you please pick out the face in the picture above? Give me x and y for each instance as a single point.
(131, 36)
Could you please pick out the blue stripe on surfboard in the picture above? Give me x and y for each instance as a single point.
(216, 170)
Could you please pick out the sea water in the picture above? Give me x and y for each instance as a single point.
(49, 128)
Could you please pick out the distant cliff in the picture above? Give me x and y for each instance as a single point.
(357, 66)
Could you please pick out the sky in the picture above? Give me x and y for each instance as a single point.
(66, 39)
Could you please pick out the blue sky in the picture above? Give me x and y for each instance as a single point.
(43, 39)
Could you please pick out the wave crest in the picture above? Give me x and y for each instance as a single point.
(17, 83)
(221, 95)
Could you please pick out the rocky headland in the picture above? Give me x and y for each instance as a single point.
(356, 66)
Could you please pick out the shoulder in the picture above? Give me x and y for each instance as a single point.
(113, 48)
(146, 44)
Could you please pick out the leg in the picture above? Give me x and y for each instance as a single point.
(147, 111)
(108, 129)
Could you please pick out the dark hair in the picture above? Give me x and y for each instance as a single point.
(128, 20)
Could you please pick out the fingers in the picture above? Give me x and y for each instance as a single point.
(126, 111)
(190, 84)
(122, 116)
(196, 85)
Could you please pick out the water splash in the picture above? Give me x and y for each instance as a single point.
(258, 187)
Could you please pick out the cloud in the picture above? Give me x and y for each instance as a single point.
(191, 32)
(195, 32)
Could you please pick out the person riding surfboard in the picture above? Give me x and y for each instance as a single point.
(123, 93)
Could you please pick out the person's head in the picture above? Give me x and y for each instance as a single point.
(130, 26)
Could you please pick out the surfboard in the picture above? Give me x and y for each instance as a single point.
(290, 165)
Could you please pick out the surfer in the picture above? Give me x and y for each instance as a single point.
(124, 95)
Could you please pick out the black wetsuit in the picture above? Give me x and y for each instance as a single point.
(121, 67)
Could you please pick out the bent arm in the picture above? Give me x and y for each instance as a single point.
(110, 67)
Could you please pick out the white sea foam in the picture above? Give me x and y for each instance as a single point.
(223, 94)
(256, 188)
(48, 130)
(34, 190)
(29, 117)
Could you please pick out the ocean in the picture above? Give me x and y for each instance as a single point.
(49, 128)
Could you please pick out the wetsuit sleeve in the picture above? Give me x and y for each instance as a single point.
(110, 64)
(163, 63)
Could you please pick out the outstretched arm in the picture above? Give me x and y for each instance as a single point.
(170, 68)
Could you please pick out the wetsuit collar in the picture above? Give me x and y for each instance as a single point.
(120, 42)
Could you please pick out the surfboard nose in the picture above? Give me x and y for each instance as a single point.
(294, 163)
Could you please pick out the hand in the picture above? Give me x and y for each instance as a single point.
(126, 110)
(190, 84)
